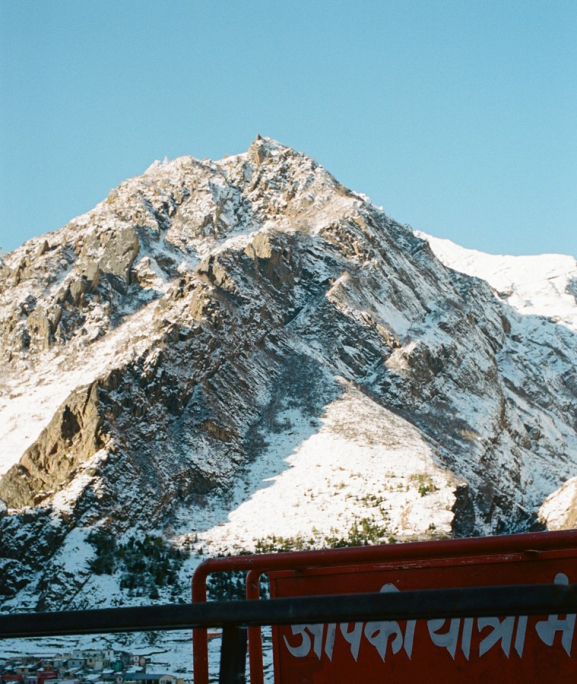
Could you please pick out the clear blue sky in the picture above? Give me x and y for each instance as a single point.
(457, 116)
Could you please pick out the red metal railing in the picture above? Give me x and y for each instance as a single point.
(256, 565)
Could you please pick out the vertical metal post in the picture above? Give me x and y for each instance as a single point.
(254, 633)
(233, 655)
(200, 636)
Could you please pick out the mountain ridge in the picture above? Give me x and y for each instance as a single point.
(215, 339)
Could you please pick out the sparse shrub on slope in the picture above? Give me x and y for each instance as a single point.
(144, 563)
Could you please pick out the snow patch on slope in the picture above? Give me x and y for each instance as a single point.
(363, 462)
(559, 511)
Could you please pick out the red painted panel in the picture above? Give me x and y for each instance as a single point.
(503, 649)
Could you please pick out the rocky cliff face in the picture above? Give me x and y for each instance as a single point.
(210, 317)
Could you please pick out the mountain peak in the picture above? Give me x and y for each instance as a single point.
(263, 147)
(221, 338)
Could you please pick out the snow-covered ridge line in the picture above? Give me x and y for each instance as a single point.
(543, 285)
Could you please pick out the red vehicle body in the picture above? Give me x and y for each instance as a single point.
(507, 648)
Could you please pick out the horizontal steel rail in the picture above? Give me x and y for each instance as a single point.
(532, 543)
(533, 599)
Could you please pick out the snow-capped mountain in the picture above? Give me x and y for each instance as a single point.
(244, 354)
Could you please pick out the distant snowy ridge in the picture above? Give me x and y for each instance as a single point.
(543, 285)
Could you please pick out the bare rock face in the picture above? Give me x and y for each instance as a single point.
(164, 335)
(73, 436)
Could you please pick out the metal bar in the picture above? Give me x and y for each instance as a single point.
(255, 657)
(199, 636)
(533, 542)
(233, 655)
(536, 599)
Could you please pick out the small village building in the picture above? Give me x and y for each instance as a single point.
(59, 663)
(113, 678)
(149, 678)
(138, 660)
(94, 659)
(75, 663)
